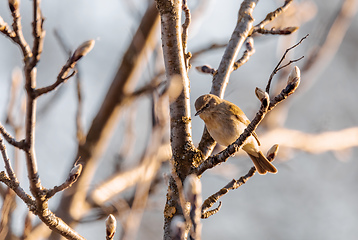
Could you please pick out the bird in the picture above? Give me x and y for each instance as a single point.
(225, 122)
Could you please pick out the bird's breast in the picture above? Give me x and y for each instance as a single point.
(224, 131)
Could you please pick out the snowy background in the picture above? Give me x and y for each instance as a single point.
(311, 197)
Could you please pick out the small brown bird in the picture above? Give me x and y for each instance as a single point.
(225, 122)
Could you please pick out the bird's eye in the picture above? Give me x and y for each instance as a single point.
(207, 105)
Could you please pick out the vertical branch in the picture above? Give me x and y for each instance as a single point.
(170, 12)
(240, 33)
(183, 150)
(37, 32)
(221, 78)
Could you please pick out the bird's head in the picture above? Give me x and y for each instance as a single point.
(206, 103)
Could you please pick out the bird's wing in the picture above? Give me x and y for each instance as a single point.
(257, 139)
(240, 115)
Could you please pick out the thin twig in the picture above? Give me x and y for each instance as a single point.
(271, 16)
(278, 31)
(61, 78)
(72, 178)
(185, 28)
(277, 68)
(211, 47)
(5, 29)
(19, 37)
(250, 50)
(7, 163)
(10, 139)
(232, 185)
(37, 32)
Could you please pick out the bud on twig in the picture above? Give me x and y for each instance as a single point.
(111, 225)
(82, 50)
(262, 96)
(272, 152)
(14, 5)
(206, 69)
(75, 173)
(294, 79)
(289, 30)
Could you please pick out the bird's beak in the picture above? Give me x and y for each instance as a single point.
(198, 112)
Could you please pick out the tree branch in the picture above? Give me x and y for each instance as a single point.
(221, 78)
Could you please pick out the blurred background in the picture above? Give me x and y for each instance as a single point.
(313, 196)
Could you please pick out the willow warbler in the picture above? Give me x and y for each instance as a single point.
(225, 122)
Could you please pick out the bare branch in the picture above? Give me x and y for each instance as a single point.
(81, 51)
(239, 35)
(31, 204)
(11, 140)
(277, 68)
(271, 16)
(8, 167)
(250, 50)
(185, 27)
(5, 29)
(278, 31)
(16, 25)
(211, 47)
(232, 185)
(72, 178)
(38, 32)
(221, 79)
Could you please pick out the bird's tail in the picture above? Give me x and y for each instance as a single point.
(262, 165)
